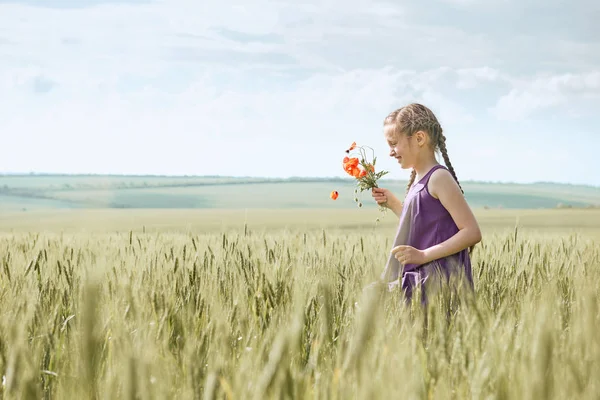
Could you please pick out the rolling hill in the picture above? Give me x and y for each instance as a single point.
(32, 192)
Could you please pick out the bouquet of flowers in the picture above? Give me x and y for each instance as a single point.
(357, 165)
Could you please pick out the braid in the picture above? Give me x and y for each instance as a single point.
(444, 151)
(413, 175)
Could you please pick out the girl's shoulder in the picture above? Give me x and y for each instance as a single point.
(424, 181)
(440, 181)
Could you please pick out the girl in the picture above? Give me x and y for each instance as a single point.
(437, 227)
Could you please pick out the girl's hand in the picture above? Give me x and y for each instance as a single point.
(385, 198)
(409, 255)
(381, 196)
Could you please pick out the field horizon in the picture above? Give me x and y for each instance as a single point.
(53, 191)
(294, 178)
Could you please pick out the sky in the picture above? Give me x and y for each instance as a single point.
(282, 88)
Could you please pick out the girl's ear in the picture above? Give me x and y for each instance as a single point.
(421, 138)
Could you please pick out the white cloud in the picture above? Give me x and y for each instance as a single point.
(518, 104)
(179, 86)
(469, 78)
(547, 91)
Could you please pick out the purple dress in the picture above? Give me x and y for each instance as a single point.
(425, 222)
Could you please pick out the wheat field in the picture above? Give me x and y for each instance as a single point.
(288, 313)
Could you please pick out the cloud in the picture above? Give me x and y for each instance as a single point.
(242, 37)
(202, 119)
(570, 91)
(43, 85)
(179, 83)
(469, 78)
(62, 4)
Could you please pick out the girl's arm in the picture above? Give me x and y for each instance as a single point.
(443, 187)
(386, 198)
(395, 205)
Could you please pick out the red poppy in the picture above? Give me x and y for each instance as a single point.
(350, 164)
(352, 170)
(353, 162)
(334, 195)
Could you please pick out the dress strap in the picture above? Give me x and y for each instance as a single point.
(425, 179)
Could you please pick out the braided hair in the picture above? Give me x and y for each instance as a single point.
(416, 117)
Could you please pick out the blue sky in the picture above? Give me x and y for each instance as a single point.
(281, 88)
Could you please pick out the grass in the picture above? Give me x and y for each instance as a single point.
(278, 308)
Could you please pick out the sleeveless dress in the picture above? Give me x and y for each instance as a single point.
(425, 222)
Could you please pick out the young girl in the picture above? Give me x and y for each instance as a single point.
(437, 227)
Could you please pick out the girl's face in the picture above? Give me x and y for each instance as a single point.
(401, 148)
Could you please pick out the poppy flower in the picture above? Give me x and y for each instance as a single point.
(350, 164)
(362, 169)
(353, 162)
(352, 170)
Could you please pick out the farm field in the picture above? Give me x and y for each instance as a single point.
(231, 303)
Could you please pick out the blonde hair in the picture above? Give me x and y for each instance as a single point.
(416, 117)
